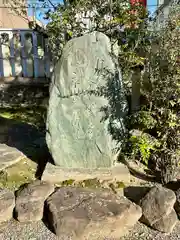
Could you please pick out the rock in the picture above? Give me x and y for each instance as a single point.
(9, 156)
(157, 205)
(120, 172)
(120, 191)
(86, 105)
(56, 174)
(3, 226)
(177, 204)
(30, 201)
(169, 165)
(136, 132)
(90, 214)
(7, 204)
(167, 223)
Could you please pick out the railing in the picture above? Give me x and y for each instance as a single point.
(23, 53)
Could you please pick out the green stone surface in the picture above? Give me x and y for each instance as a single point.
(82, 105)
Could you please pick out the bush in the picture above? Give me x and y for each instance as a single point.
(160, 115)
(112, 18)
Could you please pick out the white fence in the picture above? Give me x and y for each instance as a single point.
(23, 53)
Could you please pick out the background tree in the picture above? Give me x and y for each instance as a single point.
(76, 18)
(159, 117)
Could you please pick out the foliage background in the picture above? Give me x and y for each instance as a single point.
(153, 128)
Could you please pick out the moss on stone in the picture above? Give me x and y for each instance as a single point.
(92, 183)
(18, 174)
(69, 182)
(120, 185)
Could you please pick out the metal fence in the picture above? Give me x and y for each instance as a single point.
(24, 53)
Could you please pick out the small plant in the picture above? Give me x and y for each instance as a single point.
(141, 120)
(141, 146)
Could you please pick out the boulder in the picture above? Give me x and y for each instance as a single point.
(7, 204)
(81, 213)
(30, 201)
(177, 204)
(86, 105)
(167, 223)
(9, 156)
(158, 209)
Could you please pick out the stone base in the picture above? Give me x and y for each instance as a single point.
(56, 174)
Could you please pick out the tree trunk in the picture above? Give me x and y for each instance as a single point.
(136, 87)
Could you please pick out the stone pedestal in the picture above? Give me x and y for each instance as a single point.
(56, 174)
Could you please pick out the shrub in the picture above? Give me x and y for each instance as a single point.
(160, 115)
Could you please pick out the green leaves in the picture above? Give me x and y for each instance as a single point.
(142, 146)
(159, 119)
(142, 119)
(79, 17)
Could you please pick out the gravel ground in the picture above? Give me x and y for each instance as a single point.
(38, 231)
(34, 231)
(142, 232)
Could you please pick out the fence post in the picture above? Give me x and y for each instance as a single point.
(24, 63)
(12, 54)
(1, 60)
(35, 55)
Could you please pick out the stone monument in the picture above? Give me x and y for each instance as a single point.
(86, 106)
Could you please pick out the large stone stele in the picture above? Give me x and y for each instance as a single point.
(85, 98)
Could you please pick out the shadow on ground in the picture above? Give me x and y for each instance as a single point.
(136, 193)
(26, 138)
